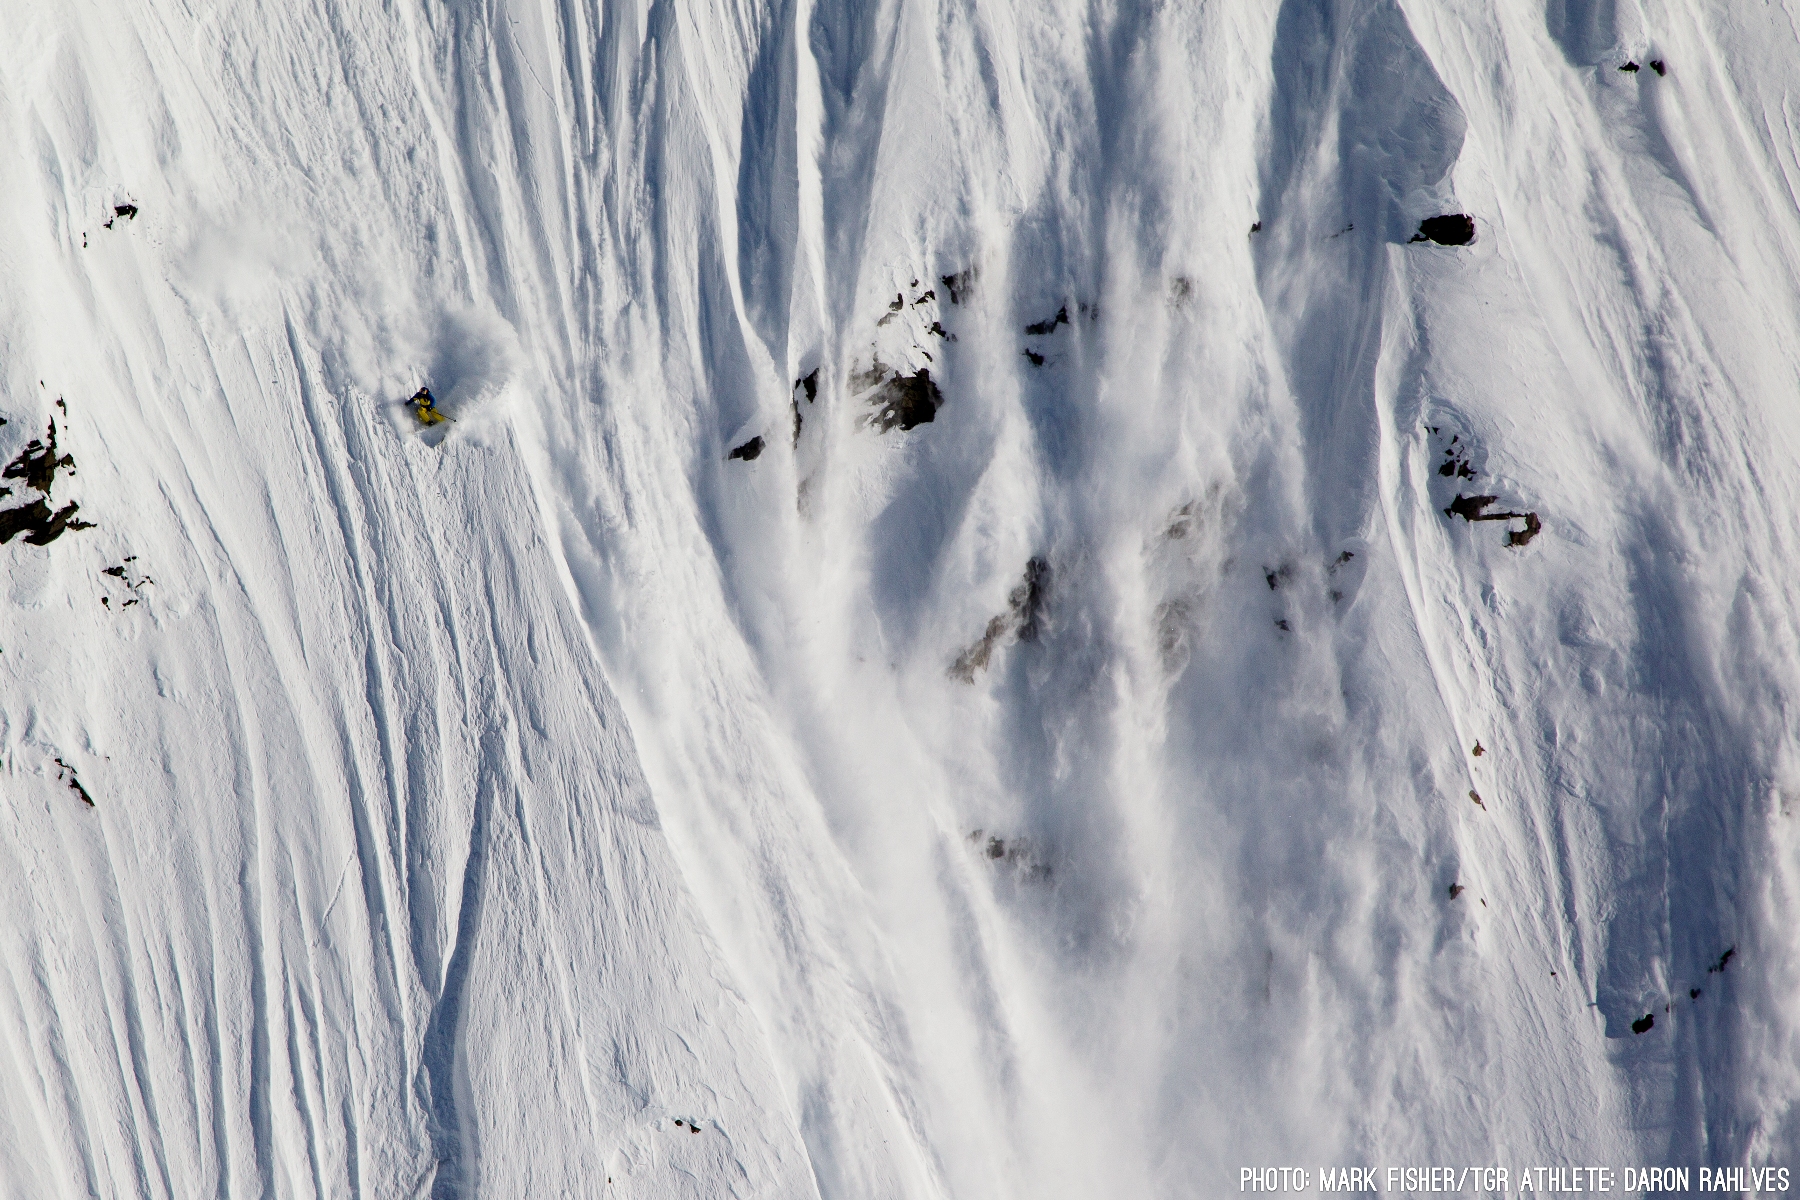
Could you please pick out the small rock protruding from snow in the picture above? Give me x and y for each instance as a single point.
(1522, 537)
(123, 574)
(810, 385)
(1470, 508)
(1456, 463)
(66, 774)
(1474, 508)
(906, 401)
(1019, 854)
(749, 451)
(1027, 600)
(37, 464)
(1025, 606)
(1447, 229)
(962, 284)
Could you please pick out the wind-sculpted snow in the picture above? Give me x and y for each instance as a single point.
(1046, 765)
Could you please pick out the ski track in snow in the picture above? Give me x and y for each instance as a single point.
(1064, 797)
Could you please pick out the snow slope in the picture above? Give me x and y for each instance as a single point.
(1071, 795)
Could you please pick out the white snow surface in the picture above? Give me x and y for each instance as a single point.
(547, 804)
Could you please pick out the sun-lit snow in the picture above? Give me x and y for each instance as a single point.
(1046, 768)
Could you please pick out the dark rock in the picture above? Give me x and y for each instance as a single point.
(74, 783)
(1028, 866)
(961, 285)
(906, 401)
(1284, 627)
(1643, 1023)
(810, 383)
(1024, 611)
(749, 450)
(1630, 68)
(1457, 889)
(1469, 507)
(1027, 600)
(38, 463)
(1476, 797)
(1450, 229)
(976, 658)
(1718, 968)
(1049, 324)
(1456, 457)
(39, 525)
(1660, 67)
(1693, 993)
(1522, 537)
(862, 380)
(1474, 508)
(1256, 227)
(1036, 359)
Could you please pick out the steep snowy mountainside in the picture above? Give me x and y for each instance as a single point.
(942, 649)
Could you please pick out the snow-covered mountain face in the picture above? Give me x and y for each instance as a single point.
(962, 638)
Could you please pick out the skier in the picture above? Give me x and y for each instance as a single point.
(425, 407)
